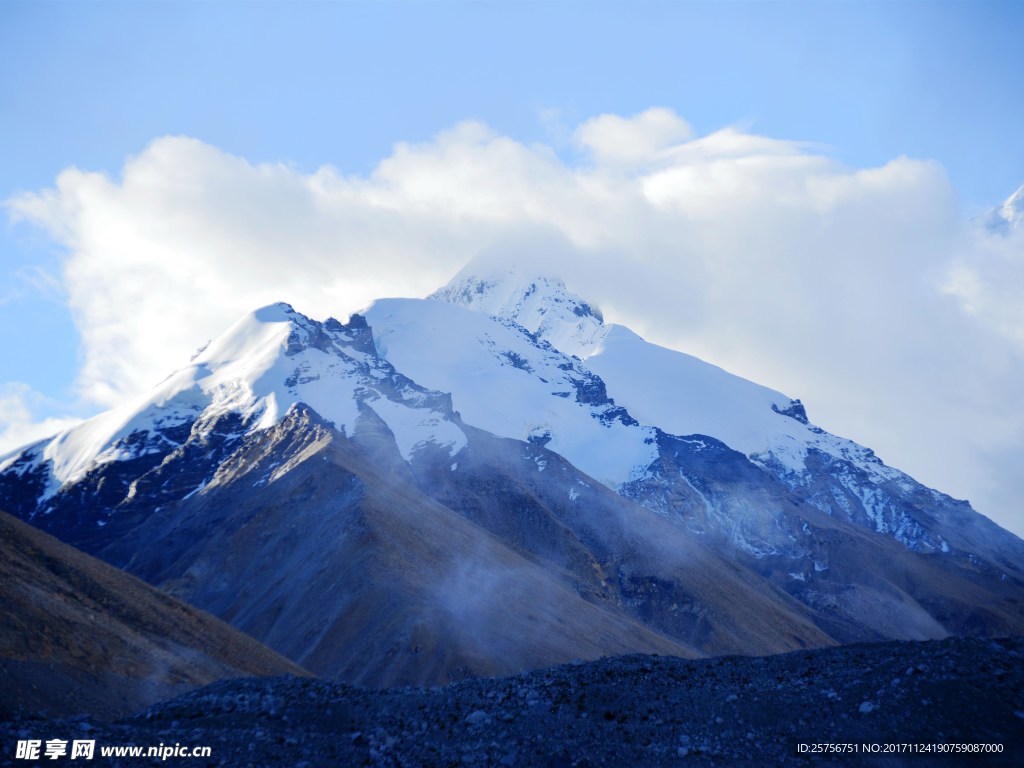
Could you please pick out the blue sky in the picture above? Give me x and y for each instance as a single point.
(322, 82)
(90, 85)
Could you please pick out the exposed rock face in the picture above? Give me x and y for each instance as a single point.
(81, 637)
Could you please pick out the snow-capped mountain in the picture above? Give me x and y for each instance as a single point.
(384, 500)
(674, 394)
(241, 384)
(1006, 217)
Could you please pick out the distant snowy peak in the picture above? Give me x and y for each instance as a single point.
(539, 303)
(1008, 216)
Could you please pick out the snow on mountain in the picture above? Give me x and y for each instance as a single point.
(505, 381)
(681, 395)
(268, 361)
(676, 392)
(537, 302)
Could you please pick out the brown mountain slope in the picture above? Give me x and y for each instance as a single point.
(323, 547)
(328, 554)
(78, 636)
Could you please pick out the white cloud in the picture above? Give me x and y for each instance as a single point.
(857, 290)
(988, 280)
(616, 140)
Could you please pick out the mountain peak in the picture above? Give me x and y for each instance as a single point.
(538, 302)
(277, 312)
(1007, 216)
(1013, 208)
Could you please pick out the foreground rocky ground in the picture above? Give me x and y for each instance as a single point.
(627, 711)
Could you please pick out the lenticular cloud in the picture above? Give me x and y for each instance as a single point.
(857, 289)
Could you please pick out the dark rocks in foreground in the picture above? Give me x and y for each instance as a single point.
(626, 711)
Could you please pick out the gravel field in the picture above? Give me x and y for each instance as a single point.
(626, 711)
